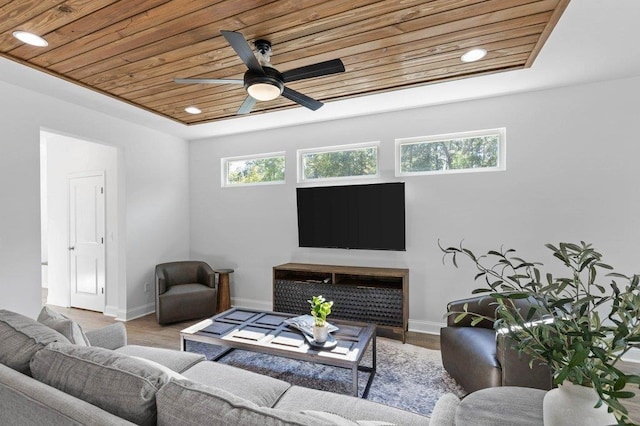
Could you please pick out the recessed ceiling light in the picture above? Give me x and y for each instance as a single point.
(30, 38)
(473, 55)
(193, 110)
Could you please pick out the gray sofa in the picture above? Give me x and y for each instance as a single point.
(67, 377)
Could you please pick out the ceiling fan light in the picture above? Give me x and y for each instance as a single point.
(473, 55)
(30, 38)
(264, 91)
(193, 110)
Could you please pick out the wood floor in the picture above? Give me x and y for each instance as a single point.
(146, 331)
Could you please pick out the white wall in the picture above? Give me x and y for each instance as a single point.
(571, 175)
(152, 188)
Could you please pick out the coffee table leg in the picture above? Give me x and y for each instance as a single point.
(355, 380)
(371, 370)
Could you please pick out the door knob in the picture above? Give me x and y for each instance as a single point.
(72, 248)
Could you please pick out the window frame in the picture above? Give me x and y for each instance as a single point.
(502, 151)
(224, 169)
(337, 148)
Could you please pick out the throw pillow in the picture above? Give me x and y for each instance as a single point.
(21, 338)
(117, 383)
(63, 325)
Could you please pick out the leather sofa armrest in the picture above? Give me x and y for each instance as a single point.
(483, 305)
(515, 366)
(112, 336)
(206, 275)
(161, 282)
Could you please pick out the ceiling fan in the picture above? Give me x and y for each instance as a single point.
(263, 82)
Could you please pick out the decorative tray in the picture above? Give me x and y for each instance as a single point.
(329, 344)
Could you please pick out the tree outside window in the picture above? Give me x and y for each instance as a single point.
(472, 153)
(257, 170)
(347, 162)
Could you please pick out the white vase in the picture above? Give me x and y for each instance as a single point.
(573, 405)
(320, 333)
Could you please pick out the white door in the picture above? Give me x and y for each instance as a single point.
(86, 241)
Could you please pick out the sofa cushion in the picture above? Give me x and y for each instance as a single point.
(337, 420)
(21, 338)
(117, 383)
(355, 409)
(166, 370)
(444, 412)
(257, 388)
(187, 403)
(176, 360)
(63, 325)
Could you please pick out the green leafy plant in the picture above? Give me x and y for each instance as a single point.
(576, 325)
(320, 309)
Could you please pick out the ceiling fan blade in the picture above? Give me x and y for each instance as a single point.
(242, 48)
(207, 81)
(246, 106)
(333, 66)
(301, 99)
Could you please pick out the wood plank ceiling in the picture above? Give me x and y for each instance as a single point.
(132, 50)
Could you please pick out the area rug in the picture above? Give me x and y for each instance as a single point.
(407, 377)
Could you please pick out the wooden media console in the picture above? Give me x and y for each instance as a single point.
(375, 295)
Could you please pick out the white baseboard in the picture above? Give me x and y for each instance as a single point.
(112, 311)
(251, 304)
(137, 312)
(427, 327)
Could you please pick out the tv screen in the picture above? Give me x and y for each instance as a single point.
(367, 217)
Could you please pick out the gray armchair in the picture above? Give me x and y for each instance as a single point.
(185, 290)
(477, 358)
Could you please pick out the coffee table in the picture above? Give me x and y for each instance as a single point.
(266, 332)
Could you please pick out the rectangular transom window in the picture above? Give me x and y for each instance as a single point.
(358, 160)
(478, 151)
(253, 169)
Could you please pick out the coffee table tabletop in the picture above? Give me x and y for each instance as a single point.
(267, 332)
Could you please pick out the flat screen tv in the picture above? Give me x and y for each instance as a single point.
(369, 217)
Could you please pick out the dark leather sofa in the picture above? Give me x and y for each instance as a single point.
(185, 290)
(477, 358)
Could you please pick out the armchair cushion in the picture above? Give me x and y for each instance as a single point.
(184, 272)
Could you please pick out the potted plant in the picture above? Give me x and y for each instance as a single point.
(577, 325)
(320, 309)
